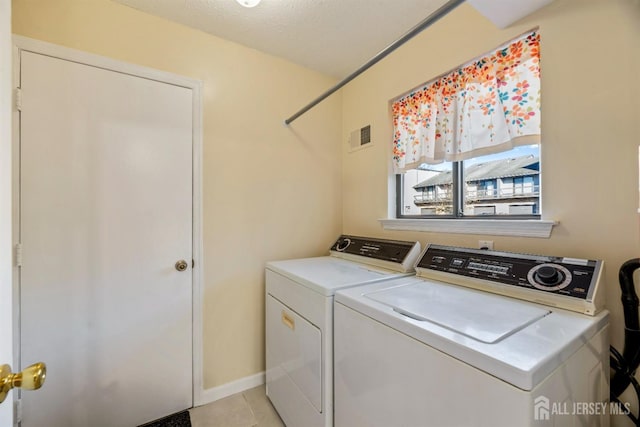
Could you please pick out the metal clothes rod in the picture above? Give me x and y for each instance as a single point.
(435, 16)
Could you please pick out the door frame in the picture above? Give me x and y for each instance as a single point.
(21, 43)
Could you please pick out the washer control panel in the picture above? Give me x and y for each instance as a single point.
(568, 277)
(381, 249)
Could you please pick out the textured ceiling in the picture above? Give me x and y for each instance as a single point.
(334, 37)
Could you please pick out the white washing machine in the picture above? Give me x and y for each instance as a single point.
(476, 338)
(299, 320)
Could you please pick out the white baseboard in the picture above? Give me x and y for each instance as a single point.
(216, 393)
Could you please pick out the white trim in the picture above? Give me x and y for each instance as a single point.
(228, 389)
(73, 55)
(198, 245)
(40, 47)
(15, 201)
(492, 227)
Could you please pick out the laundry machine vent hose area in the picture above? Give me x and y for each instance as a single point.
(624, 365)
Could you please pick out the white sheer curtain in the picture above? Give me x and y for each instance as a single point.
(486, 106)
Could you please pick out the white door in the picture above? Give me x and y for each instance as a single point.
(105, 214)
(6, 294)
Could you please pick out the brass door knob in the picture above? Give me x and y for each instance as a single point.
(31, 378)
(181, 265)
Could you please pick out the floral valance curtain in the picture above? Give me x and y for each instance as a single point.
(489, 105)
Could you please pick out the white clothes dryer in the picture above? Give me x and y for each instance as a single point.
(299, 320)
(442, 348)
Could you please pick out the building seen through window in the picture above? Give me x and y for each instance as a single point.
(503, 184)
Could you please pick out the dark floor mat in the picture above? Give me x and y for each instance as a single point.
(181, 419)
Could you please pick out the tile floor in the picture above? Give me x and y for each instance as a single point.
(250, 408)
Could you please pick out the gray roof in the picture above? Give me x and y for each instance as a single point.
(502, 168)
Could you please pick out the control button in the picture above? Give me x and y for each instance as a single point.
(343, 244)
(549, 277)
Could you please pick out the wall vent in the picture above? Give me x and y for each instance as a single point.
(360, 138)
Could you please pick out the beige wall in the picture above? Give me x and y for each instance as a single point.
(270, 192)
(591, 128)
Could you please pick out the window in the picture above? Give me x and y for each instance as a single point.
(503, 184)
(467, 144)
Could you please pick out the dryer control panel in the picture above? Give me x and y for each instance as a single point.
(394, 254)
(556, 281)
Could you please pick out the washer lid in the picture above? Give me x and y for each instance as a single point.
(327, 274)
(524, 357)
(484, 317)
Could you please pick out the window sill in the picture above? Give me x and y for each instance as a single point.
(494, 227)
